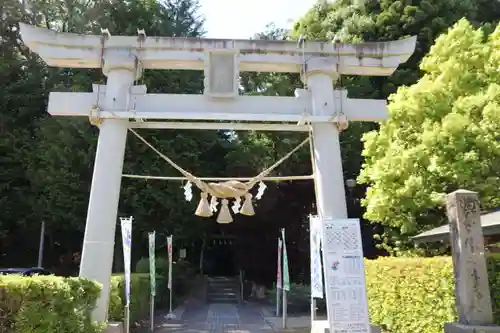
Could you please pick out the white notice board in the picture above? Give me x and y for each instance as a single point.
(344, 273)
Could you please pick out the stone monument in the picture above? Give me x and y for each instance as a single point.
(472, 291)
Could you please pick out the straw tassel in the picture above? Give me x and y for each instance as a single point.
(247, 208)
(224, 214)
(203, 207)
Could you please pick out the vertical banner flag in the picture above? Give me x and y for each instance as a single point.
(286, 276)
(278, 273)
(315, 232)
(126, 224)
(152, 263)
(169, 242)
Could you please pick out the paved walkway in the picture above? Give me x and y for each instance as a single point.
(217, 318)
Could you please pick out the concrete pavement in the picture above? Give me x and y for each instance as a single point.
(217, 318)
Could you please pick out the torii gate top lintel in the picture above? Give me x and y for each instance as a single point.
(85, 51)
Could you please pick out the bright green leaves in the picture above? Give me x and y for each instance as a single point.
(443, 133)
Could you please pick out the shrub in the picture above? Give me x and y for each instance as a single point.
(139, 296)
(161, 266)
(183, 274)
(299, 299)
(410, 295)
(494, 277)
(43, 304)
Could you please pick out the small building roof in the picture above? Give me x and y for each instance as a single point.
(490, 223)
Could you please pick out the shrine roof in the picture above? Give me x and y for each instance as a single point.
(490, 223)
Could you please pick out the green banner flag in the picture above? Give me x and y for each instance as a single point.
(286, 274)
(152, 263)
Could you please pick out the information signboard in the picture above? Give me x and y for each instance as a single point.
(344, 272)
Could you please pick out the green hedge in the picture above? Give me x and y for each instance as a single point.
(408, 295)
(411, 294)
(139, 296)
(47, 304)
(43, 304)
(183, 275)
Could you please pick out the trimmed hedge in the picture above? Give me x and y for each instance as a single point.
(139, 296)
(408, 295)
(183, 275)
(43, 304)
(47, 304)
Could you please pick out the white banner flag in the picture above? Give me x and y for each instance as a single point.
(152, 262)
(126, 224)
(169, 243)
(278, 272)
(315, 232)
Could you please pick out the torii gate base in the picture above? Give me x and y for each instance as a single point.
(321, 326)
(122, 105)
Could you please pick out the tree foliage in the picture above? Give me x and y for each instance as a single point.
(47, 163)
(443, 134)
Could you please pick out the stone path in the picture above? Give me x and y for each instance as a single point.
(217, 318)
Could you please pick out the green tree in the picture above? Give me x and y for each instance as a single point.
(48, 162)
(374, 20)
(442, 135)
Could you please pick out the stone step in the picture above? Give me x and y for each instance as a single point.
(226, 291)
(223, 290)
(231, 300)
(223, 282)
(223, 287)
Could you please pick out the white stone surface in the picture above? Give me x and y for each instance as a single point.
(199, 107)
(84, 51)
(321, 326)
(221, 74)
(98, 244)
(472, 288)
(330, 193)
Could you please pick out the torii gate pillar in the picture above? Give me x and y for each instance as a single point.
(98, 245)
(329, 179)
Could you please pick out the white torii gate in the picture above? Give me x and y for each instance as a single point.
(123, 105)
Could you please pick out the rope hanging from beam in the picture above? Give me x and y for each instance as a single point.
(271, 178)
(223, 191)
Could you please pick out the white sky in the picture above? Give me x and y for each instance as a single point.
(235, 19)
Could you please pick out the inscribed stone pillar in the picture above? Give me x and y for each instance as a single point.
(471, 277)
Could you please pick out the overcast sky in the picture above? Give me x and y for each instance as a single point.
(243, 18)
